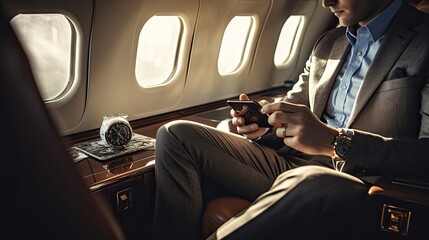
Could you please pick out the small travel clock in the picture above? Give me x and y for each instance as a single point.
(116, 131)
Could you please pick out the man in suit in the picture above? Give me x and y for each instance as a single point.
(360, 108)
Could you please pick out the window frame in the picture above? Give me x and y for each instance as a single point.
(295, 41)
(247, 46)
(73, 78)
(175, 61)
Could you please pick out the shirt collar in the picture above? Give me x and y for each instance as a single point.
(378, 25)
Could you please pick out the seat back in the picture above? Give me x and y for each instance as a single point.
(422, 5)
(43, 197)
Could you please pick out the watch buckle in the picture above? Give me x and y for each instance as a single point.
(338, 164)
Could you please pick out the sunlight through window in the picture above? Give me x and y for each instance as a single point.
(288, 39)
(235, 44)
(48, 40)
(157, 50)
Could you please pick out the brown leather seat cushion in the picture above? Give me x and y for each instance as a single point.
(220, 210)
(423, 6)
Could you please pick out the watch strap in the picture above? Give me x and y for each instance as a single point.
(344, 135)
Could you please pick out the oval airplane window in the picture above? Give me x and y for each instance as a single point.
(235, 44)
(288, 39)
(157, 50)
(49, 42)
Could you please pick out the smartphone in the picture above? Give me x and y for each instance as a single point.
(250, 111)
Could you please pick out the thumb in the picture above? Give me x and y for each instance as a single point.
(243, 97)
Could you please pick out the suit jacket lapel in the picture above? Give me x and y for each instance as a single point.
(333, 65)
(390, 50)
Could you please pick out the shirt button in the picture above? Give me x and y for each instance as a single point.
(344, 87)
(359, 53)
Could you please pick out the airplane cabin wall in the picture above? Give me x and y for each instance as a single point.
(67, 112)
(109, 32)
(113, 87)
(316, 21)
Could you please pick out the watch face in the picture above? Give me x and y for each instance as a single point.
(119, 134)
(342, 147)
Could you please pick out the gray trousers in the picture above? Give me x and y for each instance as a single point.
(195, 163)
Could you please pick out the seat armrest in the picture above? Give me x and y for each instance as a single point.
(402, 189)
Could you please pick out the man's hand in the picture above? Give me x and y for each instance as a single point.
(300, 128)
(250, 131)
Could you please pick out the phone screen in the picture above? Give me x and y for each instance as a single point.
(250, 111)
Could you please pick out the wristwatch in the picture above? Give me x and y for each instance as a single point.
(342, 144)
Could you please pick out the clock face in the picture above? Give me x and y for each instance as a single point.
(343, 147)
(119, 134)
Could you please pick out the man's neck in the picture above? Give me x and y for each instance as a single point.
(377, 10)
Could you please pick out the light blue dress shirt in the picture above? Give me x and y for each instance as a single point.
(365, 42)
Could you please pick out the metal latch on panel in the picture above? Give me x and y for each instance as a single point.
(395, 219)
(125, 199)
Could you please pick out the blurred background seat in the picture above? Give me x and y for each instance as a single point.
(43, 195)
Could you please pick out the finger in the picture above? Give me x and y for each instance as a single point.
(243, 97)
(283, 106)
(238, 121)
(247, 129)
(263, 102)
(281, 119)
(233, 113)
(282, 132)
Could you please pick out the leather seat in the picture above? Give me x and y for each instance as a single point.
(220, 210)
(423, 6)
(44, 197)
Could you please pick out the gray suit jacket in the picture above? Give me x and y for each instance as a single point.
(390, 116)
